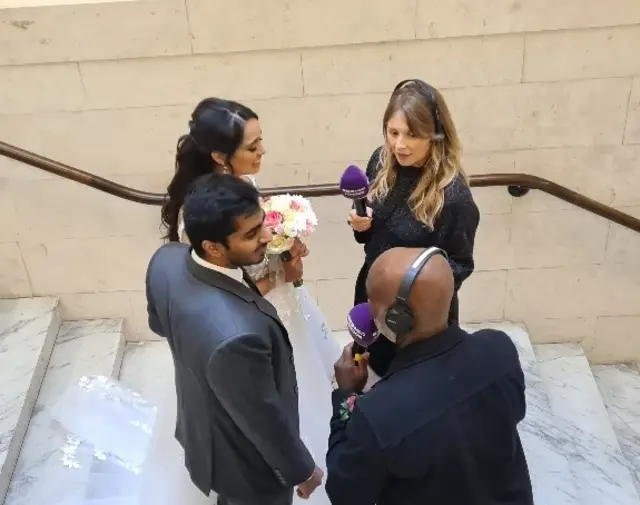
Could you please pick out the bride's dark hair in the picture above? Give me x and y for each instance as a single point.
(216, 125)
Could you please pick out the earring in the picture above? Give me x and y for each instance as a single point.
(225, 169)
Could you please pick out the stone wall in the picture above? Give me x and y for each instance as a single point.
(540, 87)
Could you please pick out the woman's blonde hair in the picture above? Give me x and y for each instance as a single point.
(442, 165)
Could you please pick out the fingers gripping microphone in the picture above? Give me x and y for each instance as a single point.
(355, 186)
(362, 328)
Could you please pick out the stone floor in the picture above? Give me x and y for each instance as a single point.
(581, 433)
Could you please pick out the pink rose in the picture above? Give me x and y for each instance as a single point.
(272, 219)
(279, 229)
(309, 230)
(351, 402)
(296, 206)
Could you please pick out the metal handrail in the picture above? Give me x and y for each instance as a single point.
(518, 185)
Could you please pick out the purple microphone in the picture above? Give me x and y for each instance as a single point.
(355, 186)
(362, 328)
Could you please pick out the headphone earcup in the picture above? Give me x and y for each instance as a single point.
(399, 319)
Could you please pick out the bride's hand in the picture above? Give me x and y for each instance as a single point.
(298, 249)
(293, 269)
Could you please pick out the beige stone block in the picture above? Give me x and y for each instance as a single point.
(373, 68)
(252, 24)
(492, 200)
(16, 170)
(330, 172)
(615, 340)
(335, 299)
(482, 297)
(14, 280)
(632, 133)
(321, 128)
(59, 209)
(552, 293)
(283, 123)
(582, 54)
(561, 330)
(278, 176)
(104, 142)
(607, 174)
(9, 223)
(493, 247)
(188, 79)
(540, 115)
(88, 265)
(107, 30)
(623, 244)
(618, 288)
(462, 17)
(152, 183)
(334, 253)
(23, 89)
(557, 238)
(493, 162)
(572, 291)
(130, 305)
(332, 209)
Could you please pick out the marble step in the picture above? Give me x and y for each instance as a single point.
(92, 347)
(148, 370)
(620, 389)
(582, 425)
(28, 328)
(544, 442)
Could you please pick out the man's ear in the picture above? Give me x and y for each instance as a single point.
(219, 158)
(213, 249)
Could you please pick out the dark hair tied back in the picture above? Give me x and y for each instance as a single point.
(216, 125)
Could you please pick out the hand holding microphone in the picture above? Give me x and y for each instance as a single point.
(351, 369)
(355, 186)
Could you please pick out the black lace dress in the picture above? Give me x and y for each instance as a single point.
(394, 225)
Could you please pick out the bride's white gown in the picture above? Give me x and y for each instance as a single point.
(166, 481)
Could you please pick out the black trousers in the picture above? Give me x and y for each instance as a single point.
(382, 351)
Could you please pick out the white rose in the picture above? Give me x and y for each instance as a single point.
(301, 222)
(281, 203)
(290, 229)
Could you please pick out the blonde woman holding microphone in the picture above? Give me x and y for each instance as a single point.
(419, 196)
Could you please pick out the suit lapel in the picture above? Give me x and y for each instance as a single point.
(249, 293)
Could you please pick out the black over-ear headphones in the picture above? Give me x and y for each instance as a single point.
(429, 95)
(399, 317)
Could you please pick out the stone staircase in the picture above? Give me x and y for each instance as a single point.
(581, 433)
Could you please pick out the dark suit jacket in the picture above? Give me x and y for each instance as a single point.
(439, 428)
(237, 416)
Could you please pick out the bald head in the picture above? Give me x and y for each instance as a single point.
(431, 293)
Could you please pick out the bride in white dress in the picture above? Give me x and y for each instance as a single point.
(226, 136)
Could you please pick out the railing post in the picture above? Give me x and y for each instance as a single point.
(517, 191)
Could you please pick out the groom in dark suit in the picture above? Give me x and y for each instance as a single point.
(235, 378)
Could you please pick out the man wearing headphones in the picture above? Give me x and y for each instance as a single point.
(441, 426)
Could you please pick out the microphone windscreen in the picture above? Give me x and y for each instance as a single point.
(361, 325)
(354, 183)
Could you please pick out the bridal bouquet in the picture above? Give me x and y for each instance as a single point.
(288, 217)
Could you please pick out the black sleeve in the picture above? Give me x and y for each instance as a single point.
(462, 219)
(356, 469)
(372, 169)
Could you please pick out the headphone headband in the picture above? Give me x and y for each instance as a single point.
(399, 317)
(413, 271)
(429, 95)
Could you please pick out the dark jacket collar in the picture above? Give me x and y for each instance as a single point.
(427, 349)
(222, 281)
